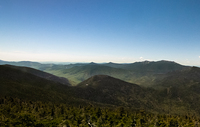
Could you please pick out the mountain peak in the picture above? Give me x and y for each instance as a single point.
(104, 81)
(92, 63)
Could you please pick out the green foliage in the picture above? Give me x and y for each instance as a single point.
(142, 73)
(179, 95)
(39, 114)
(102, 90)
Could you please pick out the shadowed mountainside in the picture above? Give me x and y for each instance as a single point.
(41, 74)
(180, 99)
(141, 73)
(103, 90)
(181, 78)
(18, 83)
(15, 82)
(106, 89)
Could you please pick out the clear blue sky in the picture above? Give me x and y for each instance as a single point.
(121, 31)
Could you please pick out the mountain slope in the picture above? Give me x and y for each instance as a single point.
(80, 73)
(181, 88)
(17, 83)
(100, 90)
(41, 74)
(181, 78)
(109, 90)
(35, 65)
(141, 73)
(149, 66)
(103, 90)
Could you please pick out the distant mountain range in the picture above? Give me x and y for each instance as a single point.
(172, 88)
(142, 73)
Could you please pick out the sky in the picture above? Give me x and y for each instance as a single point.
(120, 31)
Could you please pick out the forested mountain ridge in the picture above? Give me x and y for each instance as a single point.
(100, 90)
(41, 74)
(185, 77)
(109, 90)
(173, 99)
(149, 66)
(48, 100)
(141, 73)
(18, 83)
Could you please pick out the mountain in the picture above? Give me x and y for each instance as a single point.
(109, 90)
(149, 66)
(21, 63)
(18, 83)
(181, 78)
(35, 65)
(27, 99)
(141, 73)
(81, 73)
(181, 87)
(176, 92)
(25, 83)
(102, 90)
(41, 74)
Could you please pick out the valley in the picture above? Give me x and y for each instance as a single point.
(162, 87)
(141, 73)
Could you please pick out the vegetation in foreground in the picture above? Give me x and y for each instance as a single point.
(20, 113)
(43, 100)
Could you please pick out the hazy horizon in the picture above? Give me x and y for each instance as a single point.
(67, 63)
(100, 31)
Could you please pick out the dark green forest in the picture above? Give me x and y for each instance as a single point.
(31, 97)
(19, 113)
